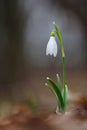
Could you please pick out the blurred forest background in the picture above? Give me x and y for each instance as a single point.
(25, 27)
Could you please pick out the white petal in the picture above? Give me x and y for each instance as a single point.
(51, 47)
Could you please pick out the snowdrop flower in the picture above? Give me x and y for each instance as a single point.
(52, 46)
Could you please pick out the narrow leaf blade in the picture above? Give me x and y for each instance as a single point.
(57, 91)
(52, 90)
(59, 82)
(65, 94)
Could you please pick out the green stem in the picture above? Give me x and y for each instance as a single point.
(64, 77)
(57, 31)
(64, 70)
(63, 63)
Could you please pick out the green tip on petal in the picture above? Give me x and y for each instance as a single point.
(52, 34)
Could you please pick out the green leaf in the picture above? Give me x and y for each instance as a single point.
(65, 94)
(58, 32)
(52, 90)
(57, 91)
(59, 82)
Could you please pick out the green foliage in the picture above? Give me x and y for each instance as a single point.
(59, 92)
(59, 82)
(65, 95)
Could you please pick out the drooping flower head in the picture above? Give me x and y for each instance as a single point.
(52, 46)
